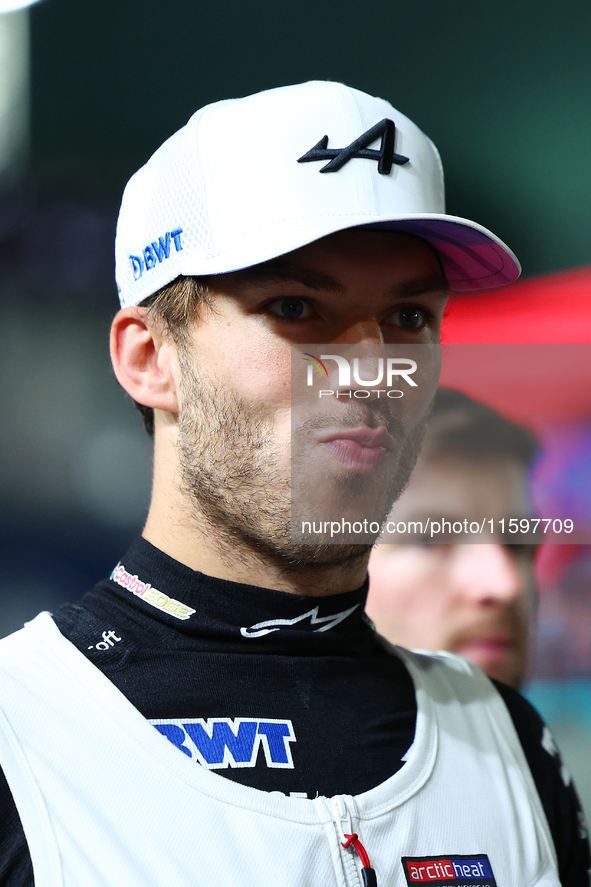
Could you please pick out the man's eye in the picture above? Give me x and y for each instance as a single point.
(410, 318)
(290, 308)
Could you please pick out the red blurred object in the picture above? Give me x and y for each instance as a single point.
(545, 382)
(553, 309)
(552, 561)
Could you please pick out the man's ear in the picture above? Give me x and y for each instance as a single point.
(144, 360)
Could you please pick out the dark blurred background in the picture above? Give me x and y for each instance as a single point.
(89, 90)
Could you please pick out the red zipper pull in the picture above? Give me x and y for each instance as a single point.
(369, 875)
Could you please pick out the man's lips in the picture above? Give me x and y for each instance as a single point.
(368, 438)
(359, 449)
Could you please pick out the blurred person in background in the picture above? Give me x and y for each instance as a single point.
(472, 598)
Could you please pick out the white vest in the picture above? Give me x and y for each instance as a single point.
(107, 801)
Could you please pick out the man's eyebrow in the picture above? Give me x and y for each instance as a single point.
(279, 271)
(276, 272)
(436, 283)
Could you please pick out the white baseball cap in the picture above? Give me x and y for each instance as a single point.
(247, 180)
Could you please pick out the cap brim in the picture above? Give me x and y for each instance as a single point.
(473, 258)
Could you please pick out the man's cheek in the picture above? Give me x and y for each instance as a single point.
(429, 370)
(413, 407)
(283, 431)
(264, 381)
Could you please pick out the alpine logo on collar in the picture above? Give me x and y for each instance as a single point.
(337, 157)
(326, 622)
(453, 870)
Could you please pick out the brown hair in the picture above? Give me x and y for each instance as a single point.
(174, 306)
(461, 426)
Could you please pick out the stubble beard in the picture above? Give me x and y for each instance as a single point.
(236, 488)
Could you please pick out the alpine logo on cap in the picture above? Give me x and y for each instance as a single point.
(337, 157)
(452, 870)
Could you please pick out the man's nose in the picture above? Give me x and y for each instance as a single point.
(363, 332)
(366, 360)
(488, 573)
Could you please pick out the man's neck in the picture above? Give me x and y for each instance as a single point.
(201, 548)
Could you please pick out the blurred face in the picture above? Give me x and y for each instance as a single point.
(476, 599)
(351, 288)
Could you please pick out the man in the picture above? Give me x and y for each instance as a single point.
(219, 710)
(473, 595)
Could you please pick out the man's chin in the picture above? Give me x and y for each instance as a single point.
(297, 557)
(345, 510)
(502, 661)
